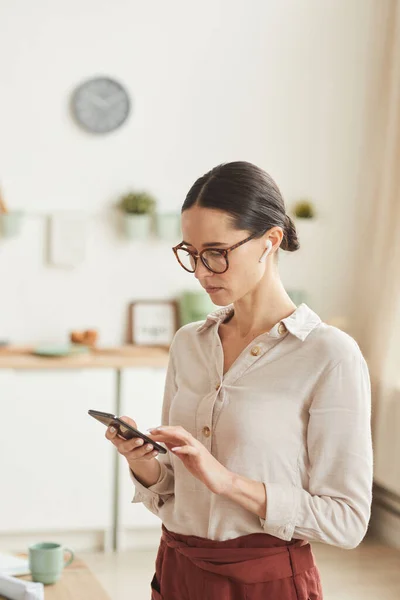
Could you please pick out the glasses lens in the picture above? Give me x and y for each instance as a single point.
(215, 260)
(186, 259)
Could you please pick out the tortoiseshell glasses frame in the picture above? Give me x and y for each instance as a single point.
(222, 251)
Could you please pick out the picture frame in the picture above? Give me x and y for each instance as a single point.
(152, 322)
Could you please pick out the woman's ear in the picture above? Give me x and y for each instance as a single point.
(266, 251)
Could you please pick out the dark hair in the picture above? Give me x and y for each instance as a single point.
(249, 195)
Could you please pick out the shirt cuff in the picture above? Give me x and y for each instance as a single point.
(153, 491)
(282, 506)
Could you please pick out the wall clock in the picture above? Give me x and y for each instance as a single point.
(100, 104)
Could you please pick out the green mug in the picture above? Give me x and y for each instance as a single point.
(46, 561)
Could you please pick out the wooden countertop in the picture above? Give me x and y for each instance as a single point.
(22, 357)
(76, 583)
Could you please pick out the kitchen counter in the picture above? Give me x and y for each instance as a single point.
(22, 357)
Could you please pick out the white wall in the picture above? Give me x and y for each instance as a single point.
(278, 83)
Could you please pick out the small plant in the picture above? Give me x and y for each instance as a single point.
(304, 209)
(137, 203)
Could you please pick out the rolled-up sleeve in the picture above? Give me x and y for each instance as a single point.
(337, 507)
(156, 495)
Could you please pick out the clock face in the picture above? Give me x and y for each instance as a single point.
(100, 105)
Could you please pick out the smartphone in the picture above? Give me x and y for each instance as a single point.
(123, 429)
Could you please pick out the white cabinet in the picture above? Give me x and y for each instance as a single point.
(142, 393)
(57, 468)
(57, 471)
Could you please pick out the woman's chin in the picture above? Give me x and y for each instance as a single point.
(219, 298)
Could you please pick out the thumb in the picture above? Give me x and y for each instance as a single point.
(188, 450)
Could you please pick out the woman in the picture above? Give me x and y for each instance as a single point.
(266, 414)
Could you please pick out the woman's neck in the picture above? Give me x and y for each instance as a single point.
(260, 310)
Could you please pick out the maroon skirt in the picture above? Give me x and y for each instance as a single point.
(257, 566)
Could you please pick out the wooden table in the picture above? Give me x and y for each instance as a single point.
(77, 583)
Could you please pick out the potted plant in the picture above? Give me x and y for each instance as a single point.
(304, 209)
(137, 209)
(10, 221)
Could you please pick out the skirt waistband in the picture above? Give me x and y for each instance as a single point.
(245, 564)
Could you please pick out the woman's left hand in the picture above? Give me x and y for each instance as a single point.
(196, 458)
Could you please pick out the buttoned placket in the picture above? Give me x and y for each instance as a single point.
(211, 405)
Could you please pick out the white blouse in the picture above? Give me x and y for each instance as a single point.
(293, 412)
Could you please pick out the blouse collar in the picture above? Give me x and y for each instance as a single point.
(300, 323)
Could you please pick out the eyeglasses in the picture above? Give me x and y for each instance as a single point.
(214, 259)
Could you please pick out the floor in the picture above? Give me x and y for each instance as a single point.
(369, 572)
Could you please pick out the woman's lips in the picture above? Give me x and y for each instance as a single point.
(211, 290)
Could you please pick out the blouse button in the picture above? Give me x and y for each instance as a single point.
(255, 351)
(282, 328)
(206, 431)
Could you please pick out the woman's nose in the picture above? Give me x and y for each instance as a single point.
(201, 270)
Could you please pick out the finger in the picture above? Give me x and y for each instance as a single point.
(129, 421)
(172, 441)
(150, 455)
(188, 450)
(125, 446)
(111, 433)
(177, 429)
(150, 435)
(140, 453)
(162, 434)
(170, 432)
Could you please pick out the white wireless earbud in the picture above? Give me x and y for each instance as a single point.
(266, 252)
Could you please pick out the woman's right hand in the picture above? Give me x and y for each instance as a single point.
(133, 450)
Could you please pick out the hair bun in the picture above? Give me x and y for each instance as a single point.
(290, 242)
